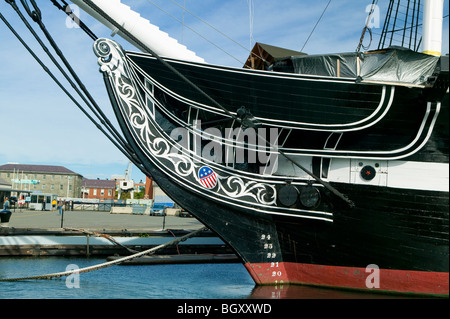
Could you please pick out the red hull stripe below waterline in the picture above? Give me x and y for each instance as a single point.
(370, 278)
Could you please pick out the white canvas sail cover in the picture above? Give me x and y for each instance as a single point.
(396, 65)
(150, 35)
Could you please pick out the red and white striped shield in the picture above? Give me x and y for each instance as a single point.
(207, 177)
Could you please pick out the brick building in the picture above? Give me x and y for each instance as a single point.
(98, 188)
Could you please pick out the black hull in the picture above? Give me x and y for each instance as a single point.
(402, 231)
(358, 237)
(393, 237)
(337, 118)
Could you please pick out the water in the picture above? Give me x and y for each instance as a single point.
(193, 281)
(187, 281)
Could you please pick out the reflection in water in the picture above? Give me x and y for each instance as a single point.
(189, 281)
(309, 292)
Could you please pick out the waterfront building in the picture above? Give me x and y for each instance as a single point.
(5, 191)
(52, 179)
(98, 188)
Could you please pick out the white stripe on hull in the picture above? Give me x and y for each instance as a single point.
(426, 176)
(396, 174)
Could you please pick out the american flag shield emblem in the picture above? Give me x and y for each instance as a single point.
(207, 177)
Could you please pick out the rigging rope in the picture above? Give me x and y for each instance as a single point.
(37, 17)
(189, 82)
(400, 19)
(203, 37)
(106, 236)
(366, 28)
(117, 141)
(213, 101)
(251, 7)
(66, 8)
(320, 18)
(107, 264)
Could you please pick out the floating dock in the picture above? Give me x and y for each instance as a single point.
(36, 242)
(105, 234)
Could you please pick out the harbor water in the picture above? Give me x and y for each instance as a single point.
(193, 281)
(177, 281)
(229, 281)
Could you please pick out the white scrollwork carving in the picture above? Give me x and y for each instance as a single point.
(234, 186)
(112, 60)
(110, 56)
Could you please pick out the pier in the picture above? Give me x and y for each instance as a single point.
(93, 233)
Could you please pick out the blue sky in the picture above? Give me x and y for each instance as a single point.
(40, 125)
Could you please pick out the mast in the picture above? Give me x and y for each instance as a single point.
(432, 27)
(141, 30)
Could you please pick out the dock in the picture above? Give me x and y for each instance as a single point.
(92, 233)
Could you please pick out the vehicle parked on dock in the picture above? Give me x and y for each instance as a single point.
(158, 210)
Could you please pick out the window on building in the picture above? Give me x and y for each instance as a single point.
(61, 187)
(102, 192)
(109, 192)
(95, 192)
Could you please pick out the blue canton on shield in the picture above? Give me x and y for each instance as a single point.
(207, 177)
